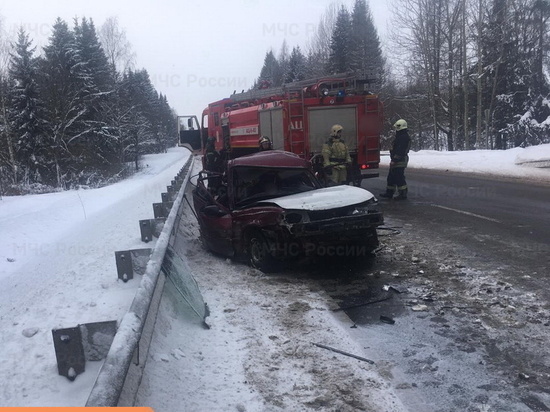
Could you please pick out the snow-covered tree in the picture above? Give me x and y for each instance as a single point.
(340, 59)
(167, 124)
(26, 111)
(296, 66)
(270, 71)
(318, 50)
(61, 78)
(8, 162)
(283, 59)
(142, 102)
(98, 82)
(365, 50)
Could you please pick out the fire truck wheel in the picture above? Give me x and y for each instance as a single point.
(259, 252)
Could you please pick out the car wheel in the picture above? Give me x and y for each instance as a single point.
(259, 252)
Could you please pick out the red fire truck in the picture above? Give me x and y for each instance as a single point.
(297, 117)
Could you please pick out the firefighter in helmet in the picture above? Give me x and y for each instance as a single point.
(211, 159)
(399, 158)
(336, 156)
(264, 143)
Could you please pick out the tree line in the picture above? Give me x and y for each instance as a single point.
(344, 42)
(77, 114)
(465, 74)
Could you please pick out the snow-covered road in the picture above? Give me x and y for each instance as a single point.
(57, 269)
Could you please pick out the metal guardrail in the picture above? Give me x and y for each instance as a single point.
(119, 377)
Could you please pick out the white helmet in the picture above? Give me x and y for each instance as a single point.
(400, 124)
(335, 129)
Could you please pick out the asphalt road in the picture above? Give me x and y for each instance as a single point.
(499, 221)
(520, 209)
(455, 307)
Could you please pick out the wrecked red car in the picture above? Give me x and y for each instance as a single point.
(269, 207)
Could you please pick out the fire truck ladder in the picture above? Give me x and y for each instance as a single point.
(372, 111)
(355, 80)
(296, 109)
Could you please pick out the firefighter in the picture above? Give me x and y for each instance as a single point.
(264, 143)
(336, 156)
(399, 158)
(212, 159)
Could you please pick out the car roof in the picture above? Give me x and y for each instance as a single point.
(271, 158)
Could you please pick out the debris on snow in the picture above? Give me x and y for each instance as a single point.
(178, 353)
(419, 308)
(387, 319)
(524, 376)
(30, 332)
(342, 352)
(396, 289)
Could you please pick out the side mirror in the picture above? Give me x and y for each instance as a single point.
(213, 211)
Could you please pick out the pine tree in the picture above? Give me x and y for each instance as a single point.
(296, 66)
(142, 99)
(521, 108)
(318, 51)
(270, 71)
(98, 83)
(365, 50)
(60, 80)
(92, 56)
(72, 121)
(10, 173)
(283, 59)
(26, 111)
(167, 124)
(340, 59)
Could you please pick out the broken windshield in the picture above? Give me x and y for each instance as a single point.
(253, 184)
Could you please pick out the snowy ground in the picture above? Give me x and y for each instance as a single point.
(532, 163)
(57, 269)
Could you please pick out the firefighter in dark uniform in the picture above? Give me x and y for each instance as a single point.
(212, 159)
(336, 156)
(264, 143)
(213, 162)
(399, 158)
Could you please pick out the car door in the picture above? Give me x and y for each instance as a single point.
(215, 220)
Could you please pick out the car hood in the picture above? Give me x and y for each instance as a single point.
(323, 199)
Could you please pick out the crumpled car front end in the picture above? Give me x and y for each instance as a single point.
(314, 224)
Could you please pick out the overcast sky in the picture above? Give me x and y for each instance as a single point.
(195, 52)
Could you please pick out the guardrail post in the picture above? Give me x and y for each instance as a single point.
(132, 261)
(159, 210)
(69, 352)
(162, 210)
(146, 229)
(150, 228)
(86, 342)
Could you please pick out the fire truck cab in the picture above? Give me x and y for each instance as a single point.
(297, 117)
